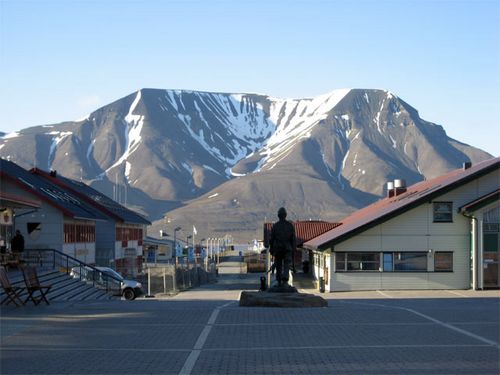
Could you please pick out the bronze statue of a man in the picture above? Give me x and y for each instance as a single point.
(282, 245)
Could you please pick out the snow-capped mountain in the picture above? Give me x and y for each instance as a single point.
(225, 162)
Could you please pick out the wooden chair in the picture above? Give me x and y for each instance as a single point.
(12, 293)
(33, 285)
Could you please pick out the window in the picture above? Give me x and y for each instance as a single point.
(443, 261)
(340, 262)
(78, 233)
(357, 262)
(410, 261)
(443, 212)
(363, 261)
(388, 262)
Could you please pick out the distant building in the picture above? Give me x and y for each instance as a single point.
(437, 234)
(11, 205)
(119, 239)
(304, 231)
(158, 250)
(58, 220)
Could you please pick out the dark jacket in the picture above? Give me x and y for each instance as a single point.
(17, 243)
(282, 240)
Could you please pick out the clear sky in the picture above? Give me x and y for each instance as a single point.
(62, 59)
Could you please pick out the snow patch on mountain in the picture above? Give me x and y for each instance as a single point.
(394, 144)
(11, 135)
(59, 136)
(291, 129)
(133, 130)
(90, 149)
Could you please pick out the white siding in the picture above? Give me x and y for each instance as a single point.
(415, 231)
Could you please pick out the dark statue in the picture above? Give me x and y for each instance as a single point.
(282, 245)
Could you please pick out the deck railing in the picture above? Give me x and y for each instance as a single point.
(54, 259)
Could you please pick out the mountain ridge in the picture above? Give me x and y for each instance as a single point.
(164, 152)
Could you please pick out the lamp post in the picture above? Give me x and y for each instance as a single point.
(218, 249)
(211, 248)
(175, 245)
(205, 259)
(187, 245)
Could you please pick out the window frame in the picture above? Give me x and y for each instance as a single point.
(439, 253)
(346, 261)
(442, 216)
(398, 262)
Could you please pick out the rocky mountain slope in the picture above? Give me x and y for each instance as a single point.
(227, 162)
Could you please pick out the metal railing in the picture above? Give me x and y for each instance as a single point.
(54, 259)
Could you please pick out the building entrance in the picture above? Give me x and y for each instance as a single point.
(491, 248)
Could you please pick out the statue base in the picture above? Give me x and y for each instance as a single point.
(285, 288)
(281, 297)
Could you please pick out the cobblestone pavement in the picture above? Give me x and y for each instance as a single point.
(204, 331)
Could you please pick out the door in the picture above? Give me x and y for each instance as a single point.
(491, 248)
(491, 275)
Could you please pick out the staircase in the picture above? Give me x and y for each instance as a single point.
(64, 287)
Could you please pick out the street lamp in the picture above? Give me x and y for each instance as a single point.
(187, 245)
(175, 243)
(205, 260)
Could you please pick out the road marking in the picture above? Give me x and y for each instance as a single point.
(200, 342)
(457, 294)
(255, 348)
(456, 329)
(443, 324)
(384, 294)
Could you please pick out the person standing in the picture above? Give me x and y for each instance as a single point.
(17, 244)
(282, 245)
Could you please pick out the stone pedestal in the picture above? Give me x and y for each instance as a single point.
(281, 298)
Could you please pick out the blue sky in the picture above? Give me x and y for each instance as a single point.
(60, 60)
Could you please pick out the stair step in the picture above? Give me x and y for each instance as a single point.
(64, 287)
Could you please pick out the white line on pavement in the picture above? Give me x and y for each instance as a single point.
(198, 346)
(254, 348)
(457, 294)
(443, 324)
(384, 294)
(456, 329)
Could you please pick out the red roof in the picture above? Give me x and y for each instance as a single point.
(480, 202)
(304, 230)
(388, 208)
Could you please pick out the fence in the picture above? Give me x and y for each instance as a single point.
(169, 278)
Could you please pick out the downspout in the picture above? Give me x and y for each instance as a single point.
(474, 250)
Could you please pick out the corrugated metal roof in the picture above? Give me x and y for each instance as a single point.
(304, 230)
(99, 200)
(68, 203)
(388, 208)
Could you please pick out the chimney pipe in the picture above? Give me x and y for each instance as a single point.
(399, 186)
(390, 189)
(467, 165)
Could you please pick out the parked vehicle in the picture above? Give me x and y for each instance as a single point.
(129, 289)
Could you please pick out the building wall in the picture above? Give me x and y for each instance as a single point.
(105, 242)
(415, 231)
(50, 235)
(84, 251)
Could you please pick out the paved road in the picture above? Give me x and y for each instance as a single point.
(204, 331)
